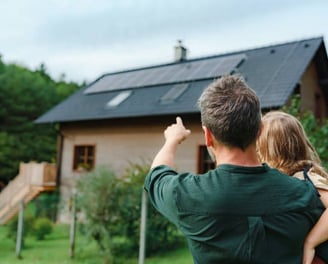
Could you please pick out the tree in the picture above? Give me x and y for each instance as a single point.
(24, 96)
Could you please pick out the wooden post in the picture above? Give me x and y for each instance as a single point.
(72, 227)
(143, 223)
(20, 230)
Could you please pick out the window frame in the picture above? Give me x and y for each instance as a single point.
(204, 162)
(88, 160)
(118, 99)
(175, 92)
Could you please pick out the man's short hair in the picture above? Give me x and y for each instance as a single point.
(231, 110)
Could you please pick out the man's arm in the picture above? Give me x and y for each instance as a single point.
(158, 183)
(174, 135)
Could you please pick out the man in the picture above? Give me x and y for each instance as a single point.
(242, 211)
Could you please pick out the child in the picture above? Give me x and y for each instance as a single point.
(283, 144)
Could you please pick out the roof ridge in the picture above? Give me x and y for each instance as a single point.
(285, 43)
(262, 67)
(209, 56)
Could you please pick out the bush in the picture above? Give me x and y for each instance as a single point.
(28, 222)
(42, 227)
(161, 235)
(112, 209)
(97, 197)
(46, 205)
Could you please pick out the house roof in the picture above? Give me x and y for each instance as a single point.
(174, 88)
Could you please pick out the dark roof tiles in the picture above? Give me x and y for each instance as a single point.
(273, 72)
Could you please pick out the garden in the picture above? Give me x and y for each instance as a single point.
(54, 249)
(108, 232)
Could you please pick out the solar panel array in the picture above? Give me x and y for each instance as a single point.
(167, 74)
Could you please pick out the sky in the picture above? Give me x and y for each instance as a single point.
(81, 40)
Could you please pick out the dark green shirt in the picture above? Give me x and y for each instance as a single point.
(237, 214)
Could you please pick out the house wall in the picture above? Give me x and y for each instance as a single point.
(312, 97)
(137, 140)
(122, 141)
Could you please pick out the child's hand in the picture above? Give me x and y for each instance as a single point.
(308, 254)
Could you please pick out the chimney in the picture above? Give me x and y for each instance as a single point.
(180, 52)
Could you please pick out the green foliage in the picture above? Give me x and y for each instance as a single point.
(316, 130)
(112, 206)
(12, 226)
(98, 193)
(32, 225)
(46, 205)
(55, 250)
(42, 227)
(24, 96)
(159, 230)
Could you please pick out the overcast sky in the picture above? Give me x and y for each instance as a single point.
(84, 39)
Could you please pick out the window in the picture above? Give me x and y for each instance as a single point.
(118, 99)
(174, 93)
(205, 162)
(84, 157)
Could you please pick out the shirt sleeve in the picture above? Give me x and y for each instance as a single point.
(160, 183)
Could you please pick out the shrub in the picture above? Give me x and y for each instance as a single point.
(161, 235)
(112, 209)
(42, 227)
(28, 222)
(97, 197)
(46, 205)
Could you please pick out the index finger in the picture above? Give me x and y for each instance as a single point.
(179, 120)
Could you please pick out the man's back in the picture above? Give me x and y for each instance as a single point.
(237, 214)
(233, 214)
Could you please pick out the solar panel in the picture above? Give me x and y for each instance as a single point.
(168, 74)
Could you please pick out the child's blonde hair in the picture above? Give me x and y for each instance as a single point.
(283, 144)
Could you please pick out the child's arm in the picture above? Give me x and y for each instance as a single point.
(319, 232)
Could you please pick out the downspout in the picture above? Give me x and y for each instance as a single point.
(60, 145)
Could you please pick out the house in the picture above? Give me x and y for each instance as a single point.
(120, 117)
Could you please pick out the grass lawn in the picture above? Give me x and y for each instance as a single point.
(55, 250)
(179, 256)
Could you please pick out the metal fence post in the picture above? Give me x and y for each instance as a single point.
(143, 222)
(20, 230)
(72, 226)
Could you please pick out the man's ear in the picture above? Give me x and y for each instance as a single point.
(208, 137)
(260, 130)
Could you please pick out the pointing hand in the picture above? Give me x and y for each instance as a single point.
(176, 133)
